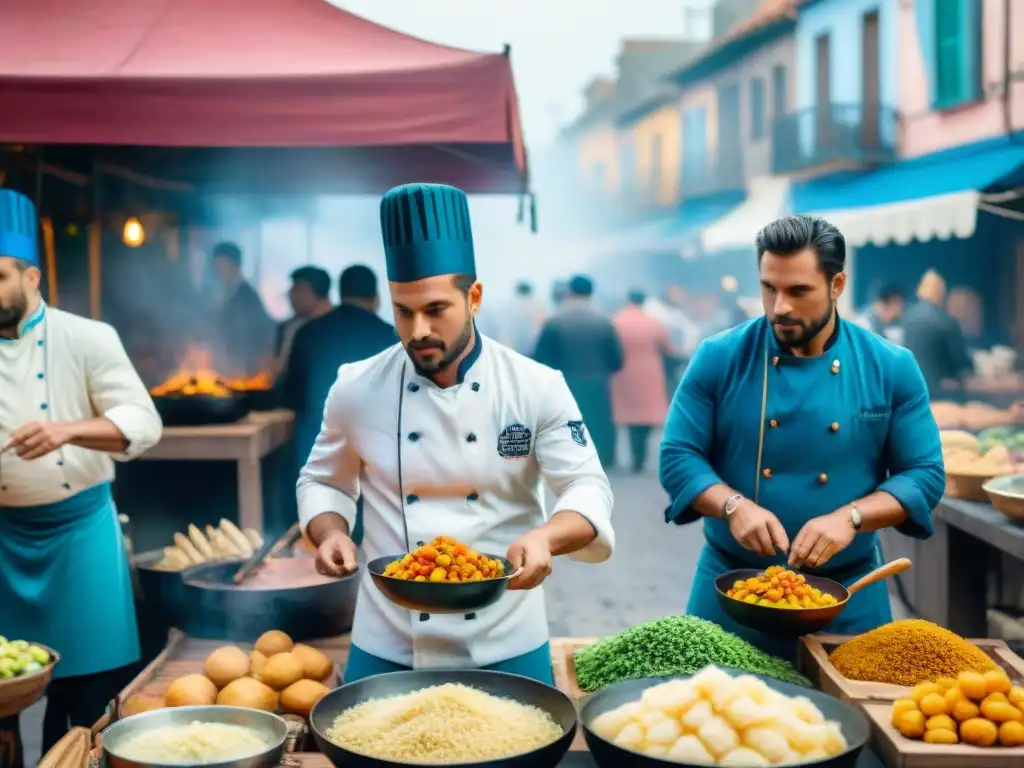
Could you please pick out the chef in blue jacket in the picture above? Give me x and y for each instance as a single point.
(798, 436)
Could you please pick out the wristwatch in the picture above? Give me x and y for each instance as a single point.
(856, 519)
(730, 505)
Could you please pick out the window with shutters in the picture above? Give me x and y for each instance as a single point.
(958, 31)
(757, 108)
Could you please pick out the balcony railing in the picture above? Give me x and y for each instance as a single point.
(720, 172)
(833, 136)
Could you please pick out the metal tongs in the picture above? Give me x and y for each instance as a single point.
(270, 548)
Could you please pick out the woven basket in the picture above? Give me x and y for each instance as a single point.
(20, 693)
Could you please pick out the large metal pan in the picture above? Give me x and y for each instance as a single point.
(274, 729)
(853, 723)
(162, 590)
(521, 689)
(214, 608)
(177, 410)
(797, 621)
(441, 597)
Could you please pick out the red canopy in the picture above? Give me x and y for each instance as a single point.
(248, 73)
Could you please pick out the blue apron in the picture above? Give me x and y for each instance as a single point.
(535, 664)
(868, 609)
(65, 582)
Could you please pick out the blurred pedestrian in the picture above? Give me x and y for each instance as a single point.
(310, 297)
(935, 338)
(582, 344)
(639, 399)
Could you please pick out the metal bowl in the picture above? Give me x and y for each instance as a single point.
(521, 689)
(1007, 495)
(273, 728)
(608, 755)
(440, 597)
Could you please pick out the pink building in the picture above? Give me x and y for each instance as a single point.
(961, 72)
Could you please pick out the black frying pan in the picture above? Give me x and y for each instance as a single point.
(797, 621)
(521, 689)
(441, 597)
(852, 722)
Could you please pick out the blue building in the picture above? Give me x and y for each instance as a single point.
(847, 84)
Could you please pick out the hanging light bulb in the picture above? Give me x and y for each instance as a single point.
(134, 235)
(730, 284)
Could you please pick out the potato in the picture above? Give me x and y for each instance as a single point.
(769, 742)
(741, 757)
(697, 715)
(805, 709)
(664, 732)
(300, 697)
(631, 737)
(690, 749)
(1011, 734)
(743, 713)
(274, 641)
(191, 691)
(249, 693)
(316, 665)
(281, 670)
(979, 732)
(718, 736)
(140, 703)
(899, 707)
(996, 681)
(225, 665)
(933, 704)
(256, 662)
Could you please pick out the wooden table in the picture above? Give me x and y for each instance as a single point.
(245, 442)
(949, 582)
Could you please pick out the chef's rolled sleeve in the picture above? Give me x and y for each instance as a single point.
(329, 480)
(917, 477)
(118, 394)
(569, 463)
(684, 467)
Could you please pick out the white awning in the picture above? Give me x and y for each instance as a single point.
(939, 217)
(766, 201)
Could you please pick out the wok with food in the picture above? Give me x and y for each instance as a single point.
(983, 709)
(211, 736)
(286, 593)
(444, 576)
(720, 717)
(767, 614)
(468, 717)
(779, 587)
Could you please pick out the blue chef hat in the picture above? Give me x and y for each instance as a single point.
(426, 232)
(19, 229)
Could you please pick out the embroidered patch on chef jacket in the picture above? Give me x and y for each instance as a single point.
(578, 431)
(514, 442)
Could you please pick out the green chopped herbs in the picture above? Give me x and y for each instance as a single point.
(674, 645)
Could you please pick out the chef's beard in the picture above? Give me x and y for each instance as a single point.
(808, 331)
(12, 313)
(449, 354)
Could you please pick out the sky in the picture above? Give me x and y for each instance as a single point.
(558, 46)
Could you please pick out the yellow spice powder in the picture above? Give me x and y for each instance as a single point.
(906, 653)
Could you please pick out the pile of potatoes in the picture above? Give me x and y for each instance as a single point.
(278, 675)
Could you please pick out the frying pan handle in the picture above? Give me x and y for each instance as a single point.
(882, 572)
(515, 573)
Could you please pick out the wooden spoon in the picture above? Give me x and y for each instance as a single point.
(894, 568)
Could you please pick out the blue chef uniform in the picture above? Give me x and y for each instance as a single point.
(838, 427)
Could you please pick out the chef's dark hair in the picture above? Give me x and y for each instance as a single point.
(358, 282)
(791, 234)
(315, 277)
(228, 251)
(464, 281)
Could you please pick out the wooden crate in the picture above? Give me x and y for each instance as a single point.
(814, 663)
(563, 651)
(897, 751)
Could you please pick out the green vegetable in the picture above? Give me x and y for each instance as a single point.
(674, 645)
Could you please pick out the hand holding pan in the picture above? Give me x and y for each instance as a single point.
(797, 621)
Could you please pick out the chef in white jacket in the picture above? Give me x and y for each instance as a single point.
(450, 433)
(70, 401)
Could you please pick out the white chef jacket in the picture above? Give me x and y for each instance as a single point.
(63, 367)
(492, 438)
